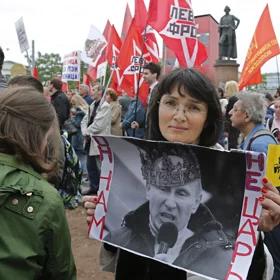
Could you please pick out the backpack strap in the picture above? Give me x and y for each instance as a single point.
(270, 121)
(261, 132)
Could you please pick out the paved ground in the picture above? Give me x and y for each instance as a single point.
(85, 250)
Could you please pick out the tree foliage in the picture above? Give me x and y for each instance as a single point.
(49, 66)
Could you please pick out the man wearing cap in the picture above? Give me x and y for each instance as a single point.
(174, 191)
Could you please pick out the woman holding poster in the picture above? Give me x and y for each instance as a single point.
(185, 109)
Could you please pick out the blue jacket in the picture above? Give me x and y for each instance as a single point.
(77, 139)
(130, 117)
(260, 144)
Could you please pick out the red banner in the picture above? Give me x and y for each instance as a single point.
(263, 46)
(126, 22)
(113, 51)
(148, 33)
(133, 56)
(174, 21)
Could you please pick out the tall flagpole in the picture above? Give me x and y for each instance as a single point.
(278, 78)
(138, 80)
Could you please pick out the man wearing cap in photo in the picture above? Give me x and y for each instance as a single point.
(173, 225)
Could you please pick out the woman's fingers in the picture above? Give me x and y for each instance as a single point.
(90, 202)
(267, 185)
(266, 222)
(90, 198)
(90, 205)
(270, 201)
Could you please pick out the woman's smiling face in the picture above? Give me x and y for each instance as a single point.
(181, 117)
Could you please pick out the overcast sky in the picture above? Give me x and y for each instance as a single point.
(62, 26)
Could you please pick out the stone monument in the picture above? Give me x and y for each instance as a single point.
(226, 65)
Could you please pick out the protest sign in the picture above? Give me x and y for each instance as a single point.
(190, 207)
(22, 37)
(94, 46)
(273, 164)
(71, 67)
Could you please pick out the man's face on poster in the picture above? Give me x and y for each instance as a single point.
(174, 204)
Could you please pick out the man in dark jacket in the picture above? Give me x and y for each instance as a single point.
(60, 101)
(173, 226)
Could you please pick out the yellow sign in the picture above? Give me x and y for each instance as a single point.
(273, 164)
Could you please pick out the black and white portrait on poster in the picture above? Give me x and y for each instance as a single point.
(190, 207)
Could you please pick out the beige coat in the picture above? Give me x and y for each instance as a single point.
(100, 126)
(116, 110)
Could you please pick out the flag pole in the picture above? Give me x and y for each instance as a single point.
(105, 90)
(138, 81)
(278, 78)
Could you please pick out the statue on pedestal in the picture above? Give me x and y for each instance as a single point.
(227, 41)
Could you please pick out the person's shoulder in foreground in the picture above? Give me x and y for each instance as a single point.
(35, 211)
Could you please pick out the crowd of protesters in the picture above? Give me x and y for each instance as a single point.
(39, 126)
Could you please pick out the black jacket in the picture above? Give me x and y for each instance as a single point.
(62, 106)
(196, 254)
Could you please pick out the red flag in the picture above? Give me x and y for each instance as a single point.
(132, 57)
(64, 87)
(263, 46)
(126, 22)
(86, 81)
(114, 46)
(35, 73)
(106, 33)
(113, 50)
(141, 17)
(174, 21)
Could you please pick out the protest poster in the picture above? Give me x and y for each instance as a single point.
(71, 67)
(95, 44)
(21, 34)
(190, 207)
(273, 164)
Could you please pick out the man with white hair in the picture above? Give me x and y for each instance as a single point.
(84, 92)
(247, 114)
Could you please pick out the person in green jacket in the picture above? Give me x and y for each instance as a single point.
(35, 239)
